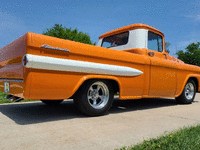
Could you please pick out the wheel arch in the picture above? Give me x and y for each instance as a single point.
(113, 80)
(196, 82)
(195, 78)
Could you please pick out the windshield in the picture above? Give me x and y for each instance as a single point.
(155, 42)
(115, 40)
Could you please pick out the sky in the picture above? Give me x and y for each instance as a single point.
(179, 20)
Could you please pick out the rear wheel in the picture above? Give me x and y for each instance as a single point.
(188, 93)
(52, 102)
(94, 98)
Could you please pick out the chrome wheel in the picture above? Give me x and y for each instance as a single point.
(98, 95)
(189, 91)
(94, 97)
(188, 94)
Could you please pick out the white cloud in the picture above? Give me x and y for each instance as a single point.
(192, 37)
(10, 22)
(11, 28)
(183, 44)
(195, 18)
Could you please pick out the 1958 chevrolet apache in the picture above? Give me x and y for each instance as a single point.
(131, 61)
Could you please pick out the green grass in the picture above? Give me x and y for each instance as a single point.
(5, 100)
(184, 139)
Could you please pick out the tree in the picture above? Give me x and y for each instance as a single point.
(167, 44)
(64, 33)
(191, 55)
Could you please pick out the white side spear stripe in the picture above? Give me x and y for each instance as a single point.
(51, 63)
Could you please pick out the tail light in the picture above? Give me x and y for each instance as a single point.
(24, 61)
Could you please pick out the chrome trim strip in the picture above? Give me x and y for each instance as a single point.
(12, 80)
(55, 48)
(58, 64)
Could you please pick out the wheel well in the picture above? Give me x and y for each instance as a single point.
(115, 86)
(114, 83)
(196, 82)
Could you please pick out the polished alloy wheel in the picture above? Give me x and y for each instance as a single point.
(94, 97)
(189, 91)
(98, 95)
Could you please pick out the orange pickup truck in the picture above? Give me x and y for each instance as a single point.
(131, 61)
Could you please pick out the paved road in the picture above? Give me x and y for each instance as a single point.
(34, 125)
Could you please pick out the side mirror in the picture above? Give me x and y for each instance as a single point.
(167, 51)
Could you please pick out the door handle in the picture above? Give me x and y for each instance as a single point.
(151, 54)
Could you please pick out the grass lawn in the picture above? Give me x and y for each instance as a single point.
(184, 139)
(5, 100)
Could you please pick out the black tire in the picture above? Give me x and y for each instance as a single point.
(94, 97)
(188, 94)
(52, 102)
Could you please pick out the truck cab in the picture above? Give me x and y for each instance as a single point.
(133, 36)
(145, 40)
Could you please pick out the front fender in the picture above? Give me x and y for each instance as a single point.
(197, 76)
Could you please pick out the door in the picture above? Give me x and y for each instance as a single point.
(162, 71)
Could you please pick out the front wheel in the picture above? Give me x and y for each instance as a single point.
(188, 93)
(94, 98)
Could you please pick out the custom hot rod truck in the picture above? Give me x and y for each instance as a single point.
(131, 61)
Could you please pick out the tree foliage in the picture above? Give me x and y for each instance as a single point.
(62, 32)
(167, 44)
(191, 55)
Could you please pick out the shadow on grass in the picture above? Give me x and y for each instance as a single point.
(37, 112)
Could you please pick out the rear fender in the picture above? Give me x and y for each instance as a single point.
(98, 77)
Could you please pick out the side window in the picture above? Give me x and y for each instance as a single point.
(155, 42)
(115, 40)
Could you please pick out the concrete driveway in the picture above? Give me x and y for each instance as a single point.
(34, 125)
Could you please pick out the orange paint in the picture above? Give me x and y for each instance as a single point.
(163, 75)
